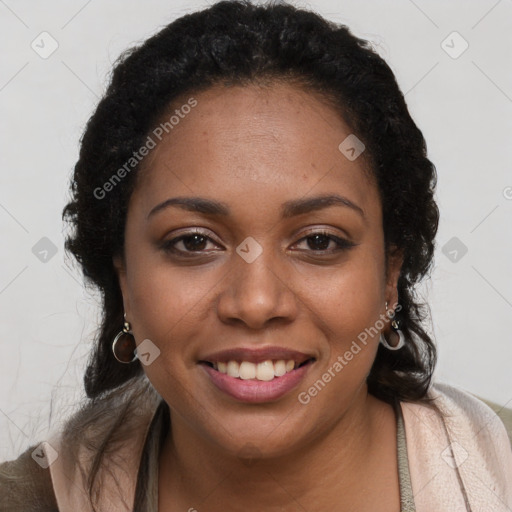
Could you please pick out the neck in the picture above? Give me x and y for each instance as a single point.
(331, 468)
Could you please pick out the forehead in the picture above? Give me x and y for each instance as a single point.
(253, 144)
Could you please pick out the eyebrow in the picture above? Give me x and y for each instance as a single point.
(288, 209)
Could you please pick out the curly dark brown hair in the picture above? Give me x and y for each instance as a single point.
(237, 43)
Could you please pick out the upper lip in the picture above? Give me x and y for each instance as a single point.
(256, 355)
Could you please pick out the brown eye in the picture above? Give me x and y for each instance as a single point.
(326, 242)
(188, 243)
(319, 242)
(194, 242)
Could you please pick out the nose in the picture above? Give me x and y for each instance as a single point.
(257, 294)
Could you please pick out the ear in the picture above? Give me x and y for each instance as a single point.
(394, 267)
(120, 268)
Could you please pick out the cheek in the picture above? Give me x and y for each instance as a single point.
(345, 305)
(167, 306)
(168, 303)
(350, 298)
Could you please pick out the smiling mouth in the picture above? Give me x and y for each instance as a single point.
(264, 371)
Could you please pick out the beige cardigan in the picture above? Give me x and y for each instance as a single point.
(460, 459)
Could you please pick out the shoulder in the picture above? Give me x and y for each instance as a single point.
(25, 486)
(466, 425)
(101, 446)
(459, 448)
(458, 404)
(103, 440)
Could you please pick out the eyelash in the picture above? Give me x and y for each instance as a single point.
(342, 244)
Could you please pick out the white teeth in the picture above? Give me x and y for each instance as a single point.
(247, 370)
(266, 370)
(233, 369)
(279, 368)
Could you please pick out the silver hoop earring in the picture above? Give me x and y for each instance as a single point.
(124, 345)
(401, 337)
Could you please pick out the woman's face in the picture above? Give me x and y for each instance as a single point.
(254, 164)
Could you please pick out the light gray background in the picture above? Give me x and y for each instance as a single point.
(463, 106)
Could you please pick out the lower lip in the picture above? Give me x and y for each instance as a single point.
(253, 390)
